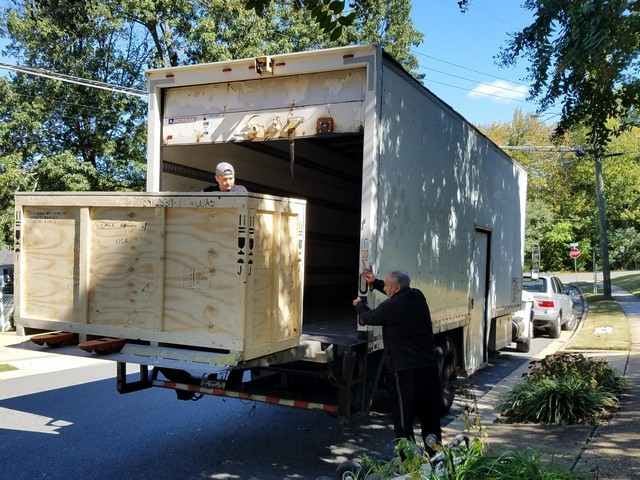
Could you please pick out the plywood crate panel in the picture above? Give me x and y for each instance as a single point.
(222, 271)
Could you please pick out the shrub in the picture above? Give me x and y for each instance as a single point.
(463, 463)
(512, 465)
(576, 364)
(556, 401)
(563, 389)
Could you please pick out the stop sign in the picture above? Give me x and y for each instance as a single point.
(575, 253)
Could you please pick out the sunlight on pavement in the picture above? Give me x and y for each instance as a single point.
(29, 422)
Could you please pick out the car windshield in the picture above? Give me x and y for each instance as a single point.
(537, 285)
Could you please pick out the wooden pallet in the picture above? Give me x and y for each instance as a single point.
(103, 346)
(56, 339)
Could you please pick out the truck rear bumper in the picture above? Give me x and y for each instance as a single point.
(273, 400)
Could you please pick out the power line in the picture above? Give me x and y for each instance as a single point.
(40, 72)
(466, 89)
(480, 72)
(541, 148)
(471, 79)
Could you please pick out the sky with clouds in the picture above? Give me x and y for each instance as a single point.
(457, 56)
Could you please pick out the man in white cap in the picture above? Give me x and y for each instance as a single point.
(225, 180)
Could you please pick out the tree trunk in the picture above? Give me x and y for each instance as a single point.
(602, 216)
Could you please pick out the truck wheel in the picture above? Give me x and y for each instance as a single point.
(554, 330)
(571, 324)
(348, 471)
(524, 345)
(447, 372)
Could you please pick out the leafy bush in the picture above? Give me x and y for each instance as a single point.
(463, 462)
(563, 389)
(512, 465)
(556, 401)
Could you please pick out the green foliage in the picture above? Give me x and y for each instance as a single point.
(625, 248)
(560, 197)
(585, 56)
(567, 364)
(563, 389)
(463, 462)
(512, 466)
(565, 400)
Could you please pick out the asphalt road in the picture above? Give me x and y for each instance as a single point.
(67, 424)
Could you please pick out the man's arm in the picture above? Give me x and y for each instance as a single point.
(372, 281)
(378, 285)
(377, 316)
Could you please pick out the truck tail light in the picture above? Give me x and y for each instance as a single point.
(546, 303)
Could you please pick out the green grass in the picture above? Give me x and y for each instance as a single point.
(4, 367)
(603, 313)
(631, 283)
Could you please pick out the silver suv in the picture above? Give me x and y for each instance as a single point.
(552, 307)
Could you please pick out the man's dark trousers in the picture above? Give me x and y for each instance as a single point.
(418, 394)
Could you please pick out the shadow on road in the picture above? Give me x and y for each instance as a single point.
(89, 431)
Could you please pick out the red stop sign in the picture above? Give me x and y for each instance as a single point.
(575, 253)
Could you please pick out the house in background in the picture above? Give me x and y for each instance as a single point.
(7, 258)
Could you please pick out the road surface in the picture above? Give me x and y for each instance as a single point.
(71, 423)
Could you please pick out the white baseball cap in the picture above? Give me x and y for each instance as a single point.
(224, 168)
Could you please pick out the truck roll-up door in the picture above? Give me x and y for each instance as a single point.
(265, 109)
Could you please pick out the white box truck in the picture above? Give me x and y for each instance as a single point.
(394, 179)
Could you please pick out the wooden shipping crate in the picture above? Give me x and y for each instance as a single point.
(223, 271)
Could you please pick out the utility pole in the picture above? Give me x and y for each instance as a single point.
(595, 274)
(602, 217)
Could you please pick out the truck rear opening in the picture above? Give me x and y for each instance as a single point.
(327, 172)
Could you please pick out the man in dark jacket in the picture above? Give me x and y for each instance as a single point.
(409, 348)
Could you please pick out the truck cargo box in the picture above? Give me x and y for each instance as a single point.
(222, 271)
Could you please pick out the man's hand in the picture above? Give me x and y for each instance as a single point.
(357, 301)
(368, 276)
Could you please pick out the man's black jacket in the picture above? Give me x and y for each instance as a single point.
(406, 327)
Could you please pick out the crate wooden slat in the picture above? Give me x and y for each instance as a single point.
(222, 271)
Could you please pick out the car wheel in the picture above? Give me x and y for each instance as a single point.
(554, 330)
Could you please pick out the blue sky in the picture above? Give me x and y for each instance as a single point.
(469, 39)
(472, 39)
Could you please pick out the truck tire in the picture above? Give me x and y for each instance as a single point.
(524, 346)
(554, 330)
(447, 369)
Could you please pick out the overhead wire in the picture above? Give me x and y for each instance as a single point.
(474, 70)
(471, 79)
(483, 94)
(41, 72)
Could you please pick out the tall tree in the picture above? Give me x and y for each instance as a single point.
(584, 56)
(560, 201)
(81, 38)
(62, 136)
